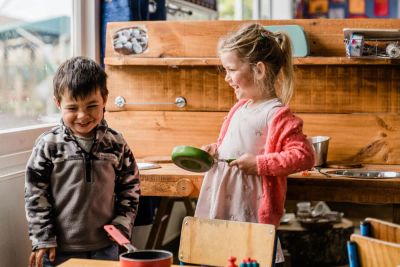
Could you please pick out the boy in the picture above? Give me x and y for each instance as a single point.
(81, 174)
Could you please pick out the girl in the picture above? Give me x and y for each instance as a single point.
(260, 132)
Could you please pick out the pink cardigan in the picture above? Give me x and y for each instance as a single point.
(287, 151)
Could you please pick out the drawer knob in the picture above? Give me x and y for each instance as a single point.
(184, 187)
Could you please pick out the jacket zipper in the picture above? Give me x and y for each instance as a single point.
(88, 168)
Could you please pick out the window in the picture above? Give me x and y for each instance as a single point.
(35, 37)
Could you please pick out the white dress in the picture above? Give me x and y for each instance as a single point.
(227, 193)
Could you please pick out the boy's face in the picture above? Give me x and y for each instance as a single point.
(82, 115)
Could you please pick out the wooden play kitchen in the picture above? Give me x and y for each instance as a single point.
(173, 93)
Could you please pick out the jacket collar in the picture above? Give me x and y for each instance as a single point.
(100, 130)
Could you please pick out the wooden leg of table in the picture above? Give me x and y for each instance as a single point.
(396, 213)
(164, 223)
(154, 232)
(188, 206)
(159, 227)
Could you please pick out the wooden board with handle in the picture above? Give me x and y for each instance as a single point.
(376, 253)
(384, 230)
(212, 242)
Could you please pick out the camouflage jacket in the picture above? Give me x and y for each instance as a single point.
(70, 194)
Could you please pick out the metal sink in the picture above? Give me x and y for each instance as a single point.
(365, 174)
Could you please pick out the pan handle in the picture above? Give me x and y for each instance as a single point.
(119, 237)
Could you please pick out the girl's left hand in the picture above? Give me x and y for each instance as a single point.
(246, 163)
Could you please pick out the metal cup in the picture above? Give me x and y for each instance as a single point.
(320, 145)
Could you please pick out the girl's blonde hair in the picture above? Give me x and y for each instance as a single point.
(253, 43)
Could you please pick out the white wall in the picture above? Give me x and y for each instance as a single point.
(15, 245)
(16, 146)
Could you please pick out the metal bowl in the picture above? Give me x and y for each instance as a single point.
(365, 174)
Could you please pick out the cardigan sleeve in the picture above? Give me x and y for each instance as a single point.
(287, 150)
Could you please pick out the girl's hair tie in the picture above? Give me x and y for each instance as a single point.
(264, 34)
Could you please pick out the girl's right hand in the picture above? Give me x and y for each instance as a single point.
(36, 257)
(210, 148)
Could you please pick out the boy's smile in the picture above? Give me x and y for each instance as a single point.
(82, 115)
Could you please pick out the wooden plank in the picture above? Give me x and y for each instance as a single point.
(314, 186)
(214, 61)
(351, 190)
(342, 60)
(196, 39)
(346, 89)
(204, 88)
(376, 253)
(384, 230)
(366, 138)
(163, 181)
(155, 133)
(212, 242)
(322, 89)
(175, 61)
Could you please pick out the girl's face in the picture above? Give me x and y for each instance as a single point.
(239, 76)
(82, 115)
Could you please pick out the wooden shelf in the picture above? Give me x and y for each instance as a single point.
(213, 61)
(344, 61)
(175, 61)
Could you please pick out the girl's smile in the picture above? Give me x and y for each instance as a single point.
(240, 76)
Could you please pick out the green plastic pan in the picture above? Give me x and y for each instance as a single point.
(193, 159)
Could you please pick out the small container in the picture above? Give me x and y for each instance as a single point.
(303, 209)
(320, 145)
(365, 228)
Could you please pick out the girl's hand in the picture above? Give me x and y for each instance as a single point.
(211, 149)
(246, 163)
(36, 257)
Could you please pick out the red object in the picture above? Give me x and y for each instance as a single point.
(231, 261)
(356, 16)
(381, 8)
(135, 258)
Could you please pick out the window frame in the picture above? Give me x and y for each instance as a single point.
(17, 143)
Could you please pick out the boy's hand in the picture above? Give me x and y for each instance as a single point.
(36, 257)
(211, 149)
(246, 163)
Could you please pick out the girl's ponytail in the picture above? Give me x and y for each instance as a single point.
(287, 67)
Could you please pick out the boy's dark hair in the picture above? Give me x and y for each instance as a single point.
(81, 77)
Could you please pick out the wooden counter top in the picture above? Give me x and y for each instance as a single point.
(169, 180)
